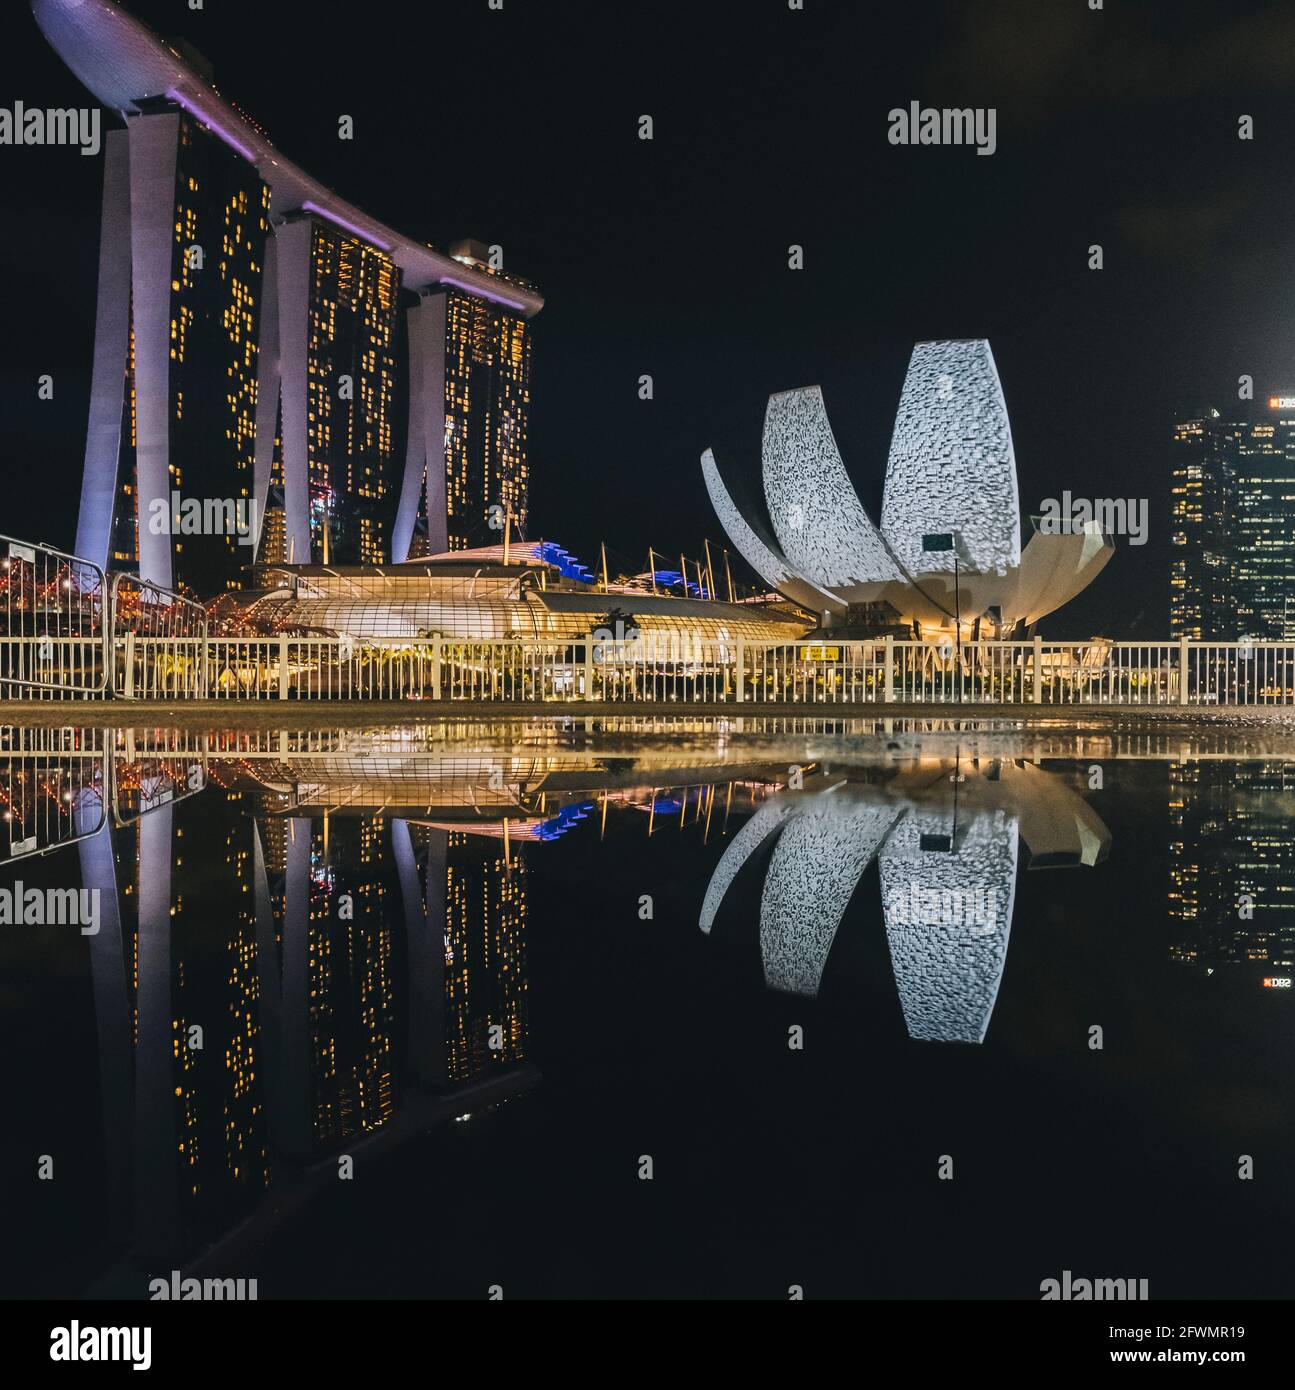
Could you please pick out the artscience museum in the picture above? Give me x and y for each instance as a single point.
(947, 556)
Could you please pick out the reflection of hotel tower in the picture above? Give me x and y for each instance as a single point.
(352, 1008)
(485, 956)
(463, 901)
(1232, 864)
(466, 911)
(248, 344)
(314, 1020)
(327, 894)
(187, 1145)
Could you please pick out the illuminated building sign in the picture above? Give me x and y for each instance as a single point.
(1281, 402)
(1277, 982)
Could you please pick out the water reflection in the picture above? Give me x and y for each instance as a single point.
(946, 837)
(306, 940)
(1232, 866)
(53, 788)
(315, 941)
(275, 1002)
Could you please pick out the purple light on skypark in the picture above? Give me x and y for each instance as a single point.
(196, 111)
(474, 288)
(331, 216)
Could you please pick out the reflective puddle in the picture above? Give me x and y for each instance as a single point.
(648, 1007)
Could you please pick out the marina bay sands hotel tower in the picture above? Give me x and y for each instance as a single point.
(258, 340)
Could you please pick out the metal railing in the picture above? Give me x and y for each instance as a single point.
(169, 656)
(54, 623)
(68, 630)
(53, 788)
(158, 640)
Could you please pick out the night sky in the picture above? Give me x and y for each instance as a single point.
(670, 257)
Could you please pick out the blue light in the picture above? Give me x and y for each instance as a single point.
(551, 553)
(673, 579)
(563, 821)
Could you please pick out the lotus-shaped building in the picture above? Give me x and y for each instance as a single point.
(948, 549)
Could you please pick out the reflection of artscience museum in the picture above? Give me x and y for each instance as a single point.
(947, 839)
(948, 549)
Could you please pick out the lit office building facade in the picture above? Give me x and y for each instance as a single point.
(1262, 522)
(466, 368)
(341, 359)
(1233, 516)
(1198, 580)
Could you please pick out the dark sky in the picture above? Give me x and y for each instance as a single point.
(670, 257)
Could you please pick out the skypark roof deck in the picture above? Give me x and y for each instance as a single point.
(126, 67)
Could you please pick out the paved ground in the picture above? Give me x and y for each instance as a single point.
(256, 714)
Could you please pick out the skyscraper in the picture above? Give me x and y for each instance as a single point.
(1233, 516)
(348, 374)
(247, 343)
(173, 404)
(1198, 587)
(1262, 522)
(467, 472)
(481, 391)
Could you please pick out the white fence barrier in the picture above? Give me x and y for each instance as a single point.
(69, 632)
(54, 623)
(175, 666)
(61, 619)
(53, 788)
